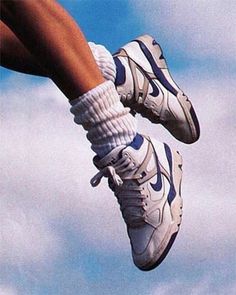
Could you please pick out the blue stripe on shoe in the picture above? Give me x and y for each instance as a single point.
(120, 72)
(137, 142)
(172, 191)
(157, 71)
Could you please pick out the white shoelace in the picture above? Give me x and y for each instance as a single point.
(131, 200)
(109, 172)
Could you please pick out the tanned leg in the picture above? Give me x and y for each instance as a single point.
(15, 56)
(50, 34)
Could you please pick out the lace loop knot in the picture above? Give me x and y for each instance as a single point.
(108, 172)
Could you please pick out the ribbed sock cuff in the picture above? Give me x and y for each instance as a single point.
(108, 122)
(104, 61)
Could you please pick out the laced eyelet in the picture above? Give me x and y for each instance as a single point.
(143, 174)
(129, 96)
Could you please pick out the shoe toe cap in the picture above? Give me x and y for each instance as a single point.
(151, 245)
(146, 244)
(140, 238)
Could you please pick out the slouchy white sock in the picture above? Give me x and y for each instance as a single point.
(108, 122)
(104, 61)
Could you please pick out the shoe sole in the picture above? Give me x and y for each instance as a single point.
(155, 58)
(176, 212)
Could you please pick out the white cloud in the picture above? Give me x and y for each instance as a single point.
(203, 286)
(198, 28)
(47, 165)
(26, 238)
(6, 290)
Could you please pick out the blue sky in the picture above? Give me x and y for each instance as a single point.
(61, 236)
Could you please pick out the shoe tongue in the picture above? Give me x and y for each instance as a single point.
(109, 159)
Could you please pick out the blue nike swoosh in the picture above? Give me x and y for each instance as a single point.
(158, 185)
(156, 91)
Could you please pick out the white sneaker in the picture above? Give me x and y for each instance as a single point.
(146, 177)
(146, 86)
